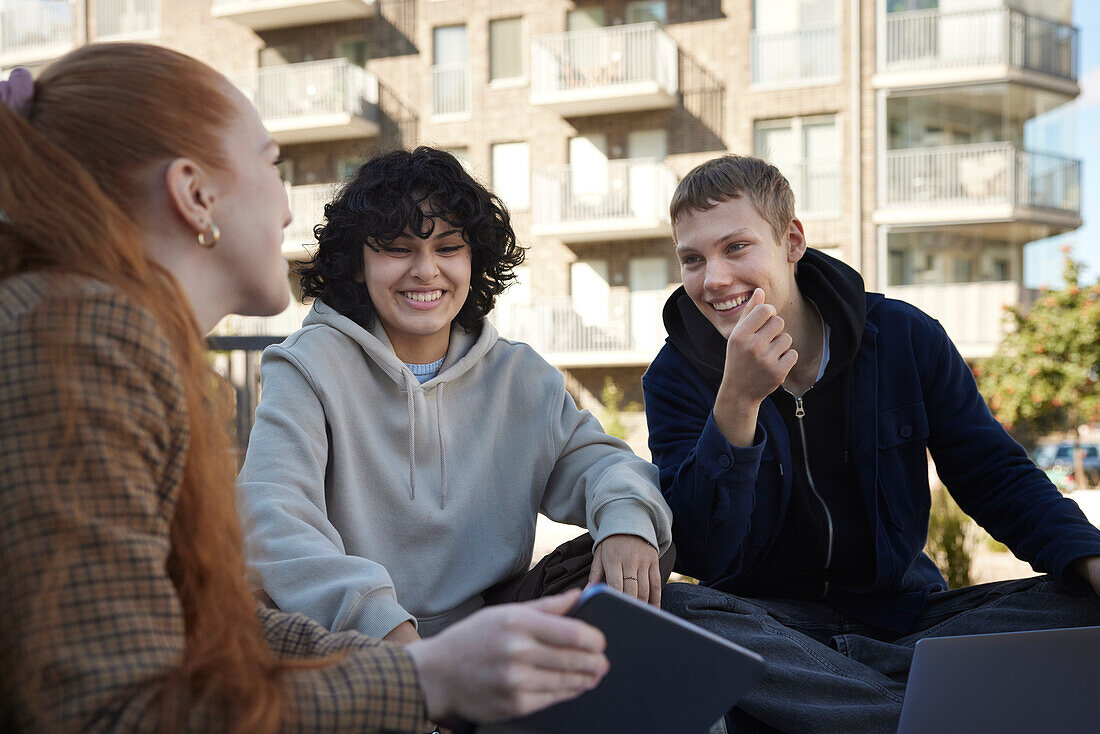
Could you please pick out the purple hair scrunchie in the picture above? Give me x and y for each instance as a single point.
(18, 91)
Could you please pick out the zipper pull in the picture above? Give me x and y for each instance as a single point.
(799, 411)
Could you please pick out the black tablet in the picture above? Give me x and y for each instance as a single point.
(667, 676)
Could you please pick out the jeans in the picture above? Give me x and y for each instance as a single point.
(827, 672)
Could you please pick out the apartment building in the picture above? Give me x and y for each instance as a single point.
(903, 125)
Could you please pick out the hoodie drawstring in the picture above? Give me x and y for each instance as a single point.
(442, 447)
(412, 435)
(409, 389)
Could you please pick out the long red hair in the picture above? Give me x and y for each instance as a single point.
(70, 176)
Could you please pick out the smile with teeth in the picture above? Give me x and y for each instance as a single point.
(731, 303)
(423, 297)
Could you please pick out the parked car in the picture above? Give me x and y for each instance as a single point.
(1058, 459)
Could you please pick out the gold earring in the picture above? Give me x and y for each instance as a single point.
(209, 238)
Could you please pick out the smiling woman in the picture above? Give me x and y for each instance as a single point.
(402, 450)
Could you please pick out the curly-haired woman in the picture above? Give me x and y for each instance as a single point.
(402, 449)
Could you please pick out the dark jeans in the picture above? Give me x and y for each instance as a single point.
(827, 672)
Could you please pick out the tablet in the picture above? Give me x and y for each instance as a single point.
(666, 675)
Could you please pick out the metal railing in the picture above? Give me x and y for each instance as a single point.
(313, 88)
(803, 56)
(986, 173)
(307, 205)
(929, 39)
(36, 30)
(972, 313)
(603, 58)
(633, 188)
(130, 19)
(621, 323)
(451, 89)
(815, 183)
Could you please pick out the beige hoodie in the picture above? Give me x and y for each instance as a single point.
(369, 499)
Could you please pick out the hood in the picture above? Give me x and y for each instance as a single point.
(463, 352)
(835, 288)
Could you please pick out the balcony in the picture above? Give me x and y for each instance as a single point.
(307, 205)
(605, 70)
(283, 325)
(263, 15)
(625, 199)
(972, 313)
(621, 329)
(37, 30)
(796, 58)
(450, 92)
(315, 101)
(987, 182)
(127, 20)
(998, 44)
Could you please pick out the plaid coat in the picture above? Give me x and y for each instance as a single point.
(89, 619)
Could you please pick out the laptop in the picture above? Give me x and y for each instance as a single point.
(667, 676)
(1008, 683)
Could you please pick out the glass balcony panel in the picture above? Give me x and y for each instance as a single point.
(986, 173)
(930, 39)
(127, 19)
(628, 198)
(36, 30)
(587, 66)
(628, 331)
(806, 56)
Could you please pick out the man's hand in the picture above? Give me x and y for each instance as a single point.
(403, 634)
(758, 359)
(1089, 569)
(509, 660)
(630, 564)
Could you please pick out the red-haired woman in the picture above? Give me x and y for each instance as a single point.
(139, 204)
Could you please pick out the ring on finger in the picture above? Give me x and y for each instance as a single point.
(630, 578)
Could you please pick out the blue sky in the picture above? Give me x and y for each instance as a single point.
(1080, 122)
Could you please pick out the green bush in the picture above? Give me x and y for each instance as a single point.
(950, 539)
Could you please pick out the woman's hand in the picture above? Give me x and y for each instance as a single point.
(630, 564)
(509, 660)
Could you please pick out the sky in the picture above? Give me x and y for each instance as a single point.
(1080, 121)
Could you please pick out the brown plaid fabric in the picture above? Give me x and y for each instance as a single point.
(89, 619)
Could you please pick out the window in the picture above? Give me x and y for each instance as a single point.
(645, 11)
(462, 154)
(807, 151)
(512, 174)
(450, 71)
(506, 49)
(127, 19)
(354, 49)
(583, 19)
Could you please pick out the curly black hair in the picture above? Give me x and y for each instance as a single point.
(399, 192)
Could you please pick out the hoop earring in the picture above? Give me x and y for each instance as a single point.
(209, 238)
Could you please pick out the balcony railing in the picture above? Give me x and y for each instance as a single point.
(262, 15)
(972, 313)
(622, 328)
(929, 39)
(285, 324)
(983, 174)
(127, 19)
(451, 90)
(631, 67)
(620, 199)
(315, 100)
(307, 205)
(807, 56)
(36, 30)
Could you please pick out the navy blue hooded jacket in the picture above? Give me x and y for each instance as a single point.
(910, 391)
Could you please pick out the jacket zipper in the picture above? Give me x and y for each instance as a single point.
(799, 413)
